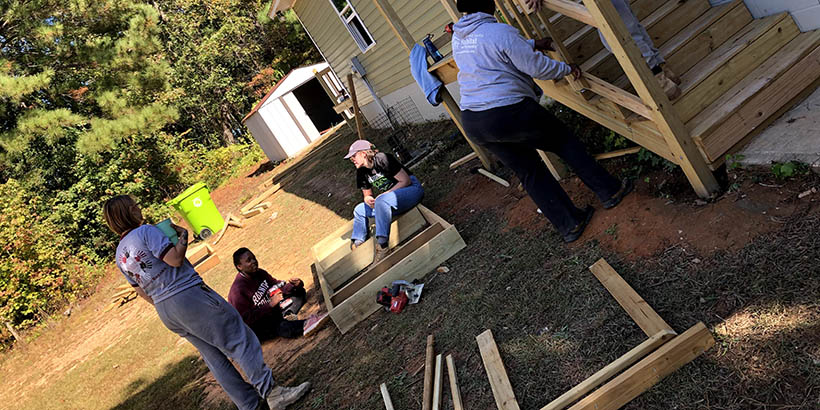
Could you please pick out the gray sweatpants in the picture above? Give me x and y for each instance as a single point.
(639, 35)
(216, 329)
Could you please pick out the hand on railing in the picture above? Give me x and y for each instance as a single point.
(533, 5)
(576, 71)
(544, 44)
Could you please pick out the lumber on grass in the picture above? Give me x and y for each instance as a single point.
(610, 370)
(463, 160)
(264, 195)
(221, 233)
(644, 316)
(494, 177)
(235, 224)
(499, 382)
(197, 254)
(263, 205)
(437, 384)
(207, 264)
(253, 212)
(454, 390)
(427, 398)
(650, 370)
(388, 403)
(618, 153)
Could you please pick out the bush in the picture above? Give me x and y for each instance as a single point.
(39, 270)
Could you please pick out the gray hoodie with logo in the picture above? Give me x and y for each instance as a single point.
(496, 64)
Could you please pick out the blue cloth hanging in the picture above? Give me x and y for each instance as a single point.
(430, 85)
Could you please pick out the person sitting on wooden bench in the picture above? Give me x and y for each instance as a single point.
(263, 313)
(668, 80)
(501, 113)
(400, 191)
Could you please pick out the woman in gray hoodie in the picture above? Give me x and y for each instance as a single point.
(501, 113)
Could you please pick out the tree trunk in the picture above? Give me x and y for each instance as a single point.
(227, 131)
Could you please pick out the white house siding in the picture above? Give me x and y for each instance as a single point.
(805, 12)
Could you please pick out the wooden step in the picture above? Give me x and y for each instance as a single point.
(754, 99)
(728, 65)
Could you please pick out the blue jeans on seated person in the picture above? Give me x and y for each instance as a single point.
(387, 205)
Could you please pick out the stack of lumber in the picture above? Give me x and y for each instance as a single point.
(122, 295)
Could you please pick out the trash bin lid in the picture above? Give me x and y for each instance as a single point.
(188, 192)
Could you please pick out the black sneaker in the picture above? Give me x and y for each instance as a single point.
(576, 232)
(626, 188)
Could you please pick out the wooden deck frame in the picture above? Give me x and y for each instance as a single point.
(659, 128)
(631, 374)
(349, 282)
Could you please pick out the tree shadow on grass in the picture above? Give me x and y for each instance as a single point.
(177, 388)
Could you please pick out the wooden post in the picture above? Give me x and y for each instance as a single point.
(427, 397)
(450, 104)
(675, 134)
(437, 384)
(499, 382)
(356, 112)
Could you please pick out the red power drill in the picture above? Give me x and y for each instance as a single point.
(393, 299)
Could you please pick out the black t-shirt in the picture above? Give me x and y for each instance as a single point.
(382, 175)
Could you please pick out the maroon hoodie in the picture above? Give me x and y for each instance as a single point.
(250, 296)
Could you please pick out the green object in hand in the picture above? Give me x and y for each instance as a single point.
(168, 230)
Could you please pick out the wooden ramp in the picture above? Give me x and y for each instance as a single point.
(738, 73)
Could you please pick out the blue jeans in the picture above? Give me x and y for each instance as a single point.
(216, 329)
(387, 205)
(638, 32)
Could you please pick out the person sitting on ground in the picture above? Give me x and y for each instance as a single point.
(265, 315)
(160, 274)
(665, 76)
(400, 191)
(501, 113)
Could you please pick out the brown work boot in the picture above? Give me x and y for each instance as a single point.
(281, 397)
(380, 253)
(669, 87)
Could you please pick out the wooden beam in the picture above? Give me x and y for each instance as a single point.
(388, 403)
(356, 112)
(617, 95)
(207, 264)
(649, 371)
(437, 379)
(610, 370)
(427, 398)
(344, 263)
(499, 382)
(261, 197)
(672, 128)
(452, 10)
(452, 108)
(644, 316)
(454, 390)
(553, 162)
(572, 10)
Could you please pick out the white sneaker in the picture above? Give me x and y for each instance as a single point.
(281, 397)
(314, 323)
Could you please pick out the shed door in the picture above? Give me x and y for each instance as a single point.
(317, 105)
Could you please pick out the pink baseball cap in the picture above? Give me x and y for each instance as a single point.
(360, 145)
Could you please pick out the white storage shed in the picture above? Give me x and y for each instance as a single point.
(293, 114)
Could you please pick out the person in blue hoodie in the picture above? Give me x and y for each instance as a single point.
(500, 112)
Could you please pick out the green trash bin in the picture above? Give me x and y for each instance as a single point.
(196, 206)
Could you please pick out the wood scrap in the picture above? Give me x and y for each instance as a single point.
(263, 205)
(388, 403)
(253, 212)
(499, 382)
(618, 153)
(256, 201)
(463, 160)
(494, 177)
(197, 254)
(455, 392)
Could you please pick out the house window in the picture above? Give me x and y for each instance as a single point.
(354, 24)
